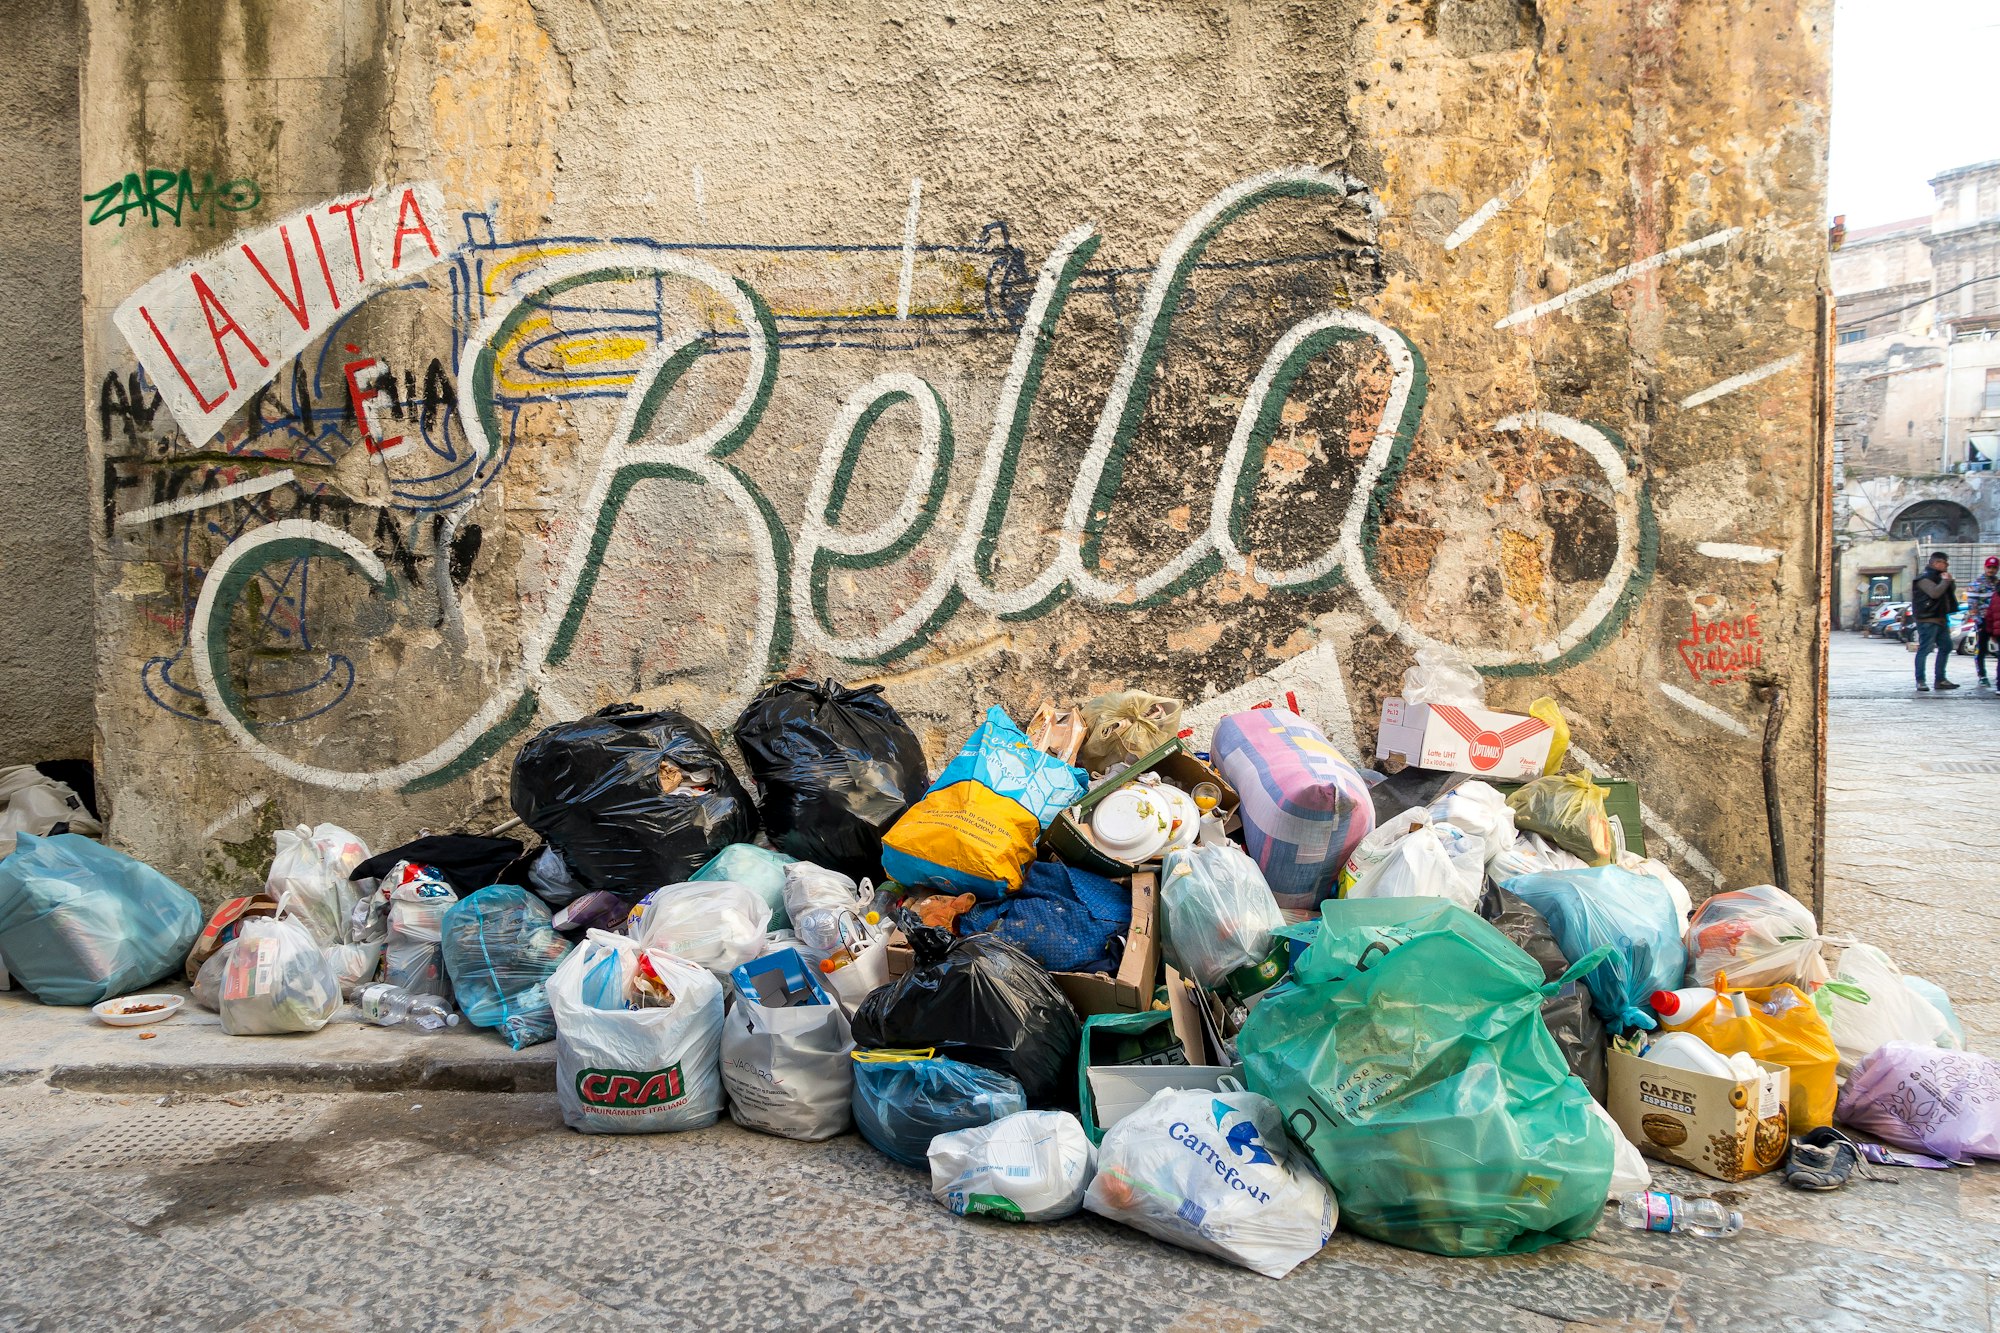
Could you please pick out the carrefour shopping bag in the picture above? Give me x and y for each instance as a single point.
(975, 829)
(1408, 1054)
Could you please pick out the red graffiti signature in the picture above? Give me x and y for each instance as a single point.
(1722, 650)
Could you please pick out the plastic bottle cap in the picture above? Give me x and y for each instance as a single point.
(1665, 1003)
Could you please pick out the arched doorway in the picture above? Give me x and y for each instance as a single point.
(1934, 522)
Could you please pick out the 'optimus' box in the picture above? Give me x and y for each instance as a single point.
(1464, 740)
(1710, 1124)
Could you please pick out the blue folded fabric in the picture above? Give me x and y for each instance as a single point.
(1066, 919)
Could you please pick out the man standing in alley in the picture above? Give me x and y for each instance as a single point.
(1932, 603)
(1978, 604)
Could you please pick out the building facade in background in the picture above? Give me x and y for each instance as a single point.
(1916, 416)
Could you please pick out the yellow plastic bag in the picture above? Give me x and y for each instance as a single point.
(1126, 725)
(1783, 1028)
(1545, 709)
(1569, 810)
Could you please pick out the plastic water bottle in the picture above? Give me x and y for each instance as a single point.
(1656, 1210)
(390, 1006)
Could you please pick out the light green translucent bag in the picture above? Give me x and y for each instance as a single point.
(1408, 1054)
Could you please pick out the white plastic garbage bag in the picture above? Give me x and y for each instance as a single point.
(1759, 936)
(1479, 809)
(31, 802)
(277, 980)
(1443, 676)
(1213, 1171)
(1867, 1005)
(717, 923)
(790, 1071)
(1032, 1166)
(309, 878)
(808, 886)
(418, 899)
(635, 1071)
(354, 964)
(1220, 915)
(1410, 857)
(868, 972)
(1629, 1172)
(1531, 854)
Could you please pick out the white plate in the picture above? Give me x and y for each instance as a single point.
(113, 1011)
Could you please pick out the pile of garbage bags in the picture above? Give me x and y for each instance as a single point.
(1232, 999)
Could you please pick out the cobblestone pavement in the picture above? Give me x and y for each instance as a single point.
(278, 1211)
(1913, 823)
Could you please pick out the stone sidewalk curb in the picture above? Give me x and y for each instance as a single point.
(416, 1073)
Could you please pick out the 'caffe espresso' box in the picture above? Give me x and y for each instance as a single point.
(1717, 1126)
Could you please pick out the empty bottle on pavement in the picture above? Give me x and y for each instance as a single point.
(1656, 1210)
(391, 1006)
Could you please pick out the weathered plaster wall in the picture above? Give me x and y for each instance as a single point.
(1400, 234)
(45, 594)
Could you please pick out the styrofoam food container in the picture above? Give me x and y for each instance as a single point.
(113, 1011)
(1132, 824)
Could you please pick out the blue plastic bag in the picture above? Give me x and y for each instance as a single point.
(500, 945)
(1633, 914)
(80, 922)
(902, 1100)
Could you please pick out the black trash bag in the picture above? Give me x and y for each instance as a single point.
(1526, 927)
(981, 1000)
(1580, 1033)
(1568, 1013)
(836, 767)
(632, 800)
(467, 861)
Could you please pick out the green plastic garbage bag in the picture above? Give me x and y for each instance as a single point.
(1408, 1054)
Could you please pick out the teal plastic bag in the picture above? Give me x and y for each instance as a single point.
(1634, 915)
(762, 869)
(1408, 1053)
(80, 922)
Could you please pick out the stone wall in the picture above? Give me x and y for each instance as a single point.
(45, 509)
(504, 360)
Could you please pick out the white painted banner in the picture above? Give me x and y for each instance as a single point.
(213, 330)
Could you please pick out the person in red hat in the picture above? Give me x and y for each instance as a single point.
(1980, 602)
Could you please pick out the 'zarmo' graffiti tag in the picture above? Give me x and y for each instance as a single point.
(216, 347)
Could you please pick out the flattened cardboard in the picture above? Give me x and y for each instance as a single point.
(1714, 1125)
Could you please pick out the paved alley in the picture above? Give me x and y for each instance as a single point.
(1913, 823)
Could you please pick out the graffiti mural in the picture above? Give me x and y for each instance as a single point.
(343, 411)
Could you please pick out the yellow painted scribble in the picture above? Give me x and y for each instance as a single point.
(1522, 568)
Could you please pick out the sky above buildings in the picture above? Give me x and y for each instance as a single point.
(1916, 90)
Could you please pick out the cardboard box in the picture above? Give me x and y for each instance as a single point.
(1130, 991)
(1463, 740)
(1071, 844)
(1713, 1125)
(1112, 1092)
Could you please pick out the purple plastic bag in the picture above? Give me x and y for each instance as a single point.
(1926, 1099)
